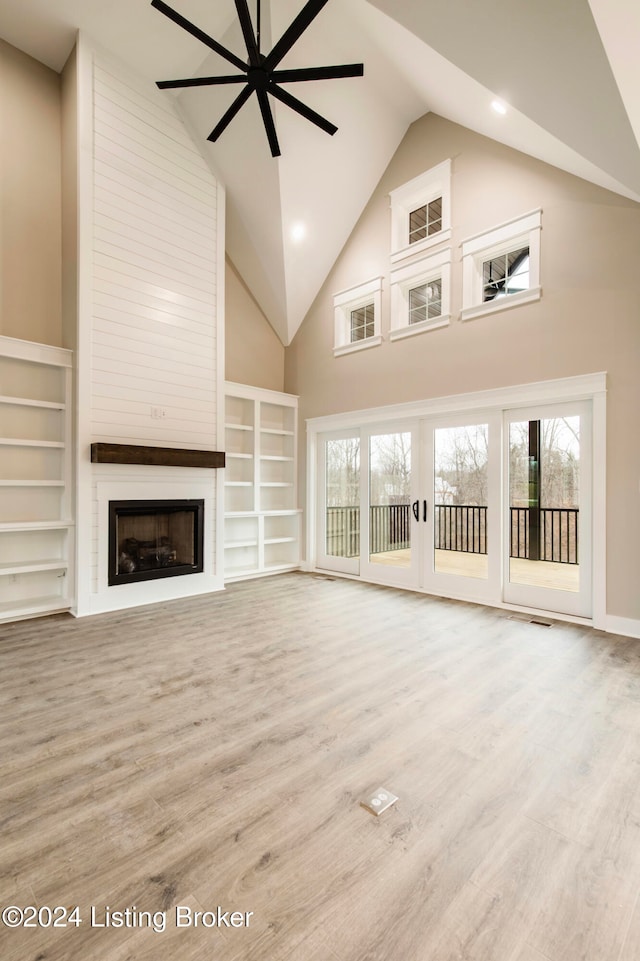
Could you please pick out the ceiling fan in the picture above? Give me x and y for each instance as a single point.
(259, 74)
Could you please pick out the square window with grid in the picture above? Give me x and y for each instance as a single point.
(505, 274)
(425, 301)
(425, 221)
(362, 323)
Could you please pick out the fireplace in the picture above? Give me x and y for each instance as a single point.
(153, 539)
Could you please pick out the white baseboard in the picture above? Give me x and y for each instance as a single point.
(622, 625)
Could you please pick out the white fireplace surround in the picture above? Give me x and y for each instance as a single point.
(146, 222)
(109, 598)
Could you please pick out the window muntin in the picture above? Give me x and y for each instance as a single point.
(362, 323)
(505, 274)
(425, 221)
(425, 301)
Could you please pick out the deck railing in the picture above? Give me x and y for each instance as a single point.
(343, 531)
(458, 527)
(558, 534)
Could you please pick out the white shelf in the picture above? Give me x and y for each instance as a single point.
(15, 442)
(238, 427)
(51, 604)
(240, 573)
(23, 526)
(32, 483)
(37, 468)
(26, 402)
(269, 535)
(32, 567)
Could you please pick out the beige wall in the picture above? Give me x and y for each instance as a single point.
(253, 352)
(30, 192)
(587, 320)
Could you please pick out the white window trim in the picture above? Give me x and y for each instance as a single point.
(521, 231)
(345, 301)
(417, 193)
(412, 275)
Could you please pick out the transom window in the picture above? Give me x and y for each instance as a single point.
(421, 213)
(421, 296)
(501, 266)
(505, 274)
(425, 301)
(425, 221)
(357, 317)
(362, 323)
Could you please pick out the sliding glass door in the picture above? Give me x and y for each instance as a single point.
(366, 484)
(338, 516)
(390, 545)
(462, 536)
(492, 506)
(548, 530)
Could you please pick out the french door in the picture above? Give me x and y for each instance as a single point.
(338, 502)
(492, 506)
(547, 538)
(462, 538)
(390, 548)
(367, 483)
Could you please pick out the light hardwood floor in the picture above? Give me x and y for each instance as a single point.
(213, 751)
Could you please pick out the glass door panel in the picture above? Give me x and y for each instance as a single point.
(460, 501)
(339, 504)
(462, 549)
(389, 548)
(548, 563)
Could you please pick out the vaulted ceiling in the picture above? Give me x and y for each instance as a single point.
(567, 72)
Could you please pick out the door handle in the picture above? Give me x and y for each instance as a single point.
(416, 510)
(424, 511)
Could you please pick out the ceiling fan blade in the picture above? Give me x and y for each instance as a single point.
(269, 125)
(239, 102)
(198, 34)
(308, 13)
(302, 109)
(319, 73)
(200, 81)
(247, 31)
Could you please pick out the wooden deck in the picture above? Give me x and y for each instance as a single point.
(562, 577)
(213, 751)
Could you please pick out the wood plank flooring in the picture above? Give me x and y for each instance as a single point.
(212, 752)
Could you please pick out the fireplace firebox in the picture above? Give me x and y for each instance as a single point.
(153, 539)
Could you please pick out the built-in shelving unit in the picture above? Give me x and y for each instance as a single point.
(35, 479)
(262, 520)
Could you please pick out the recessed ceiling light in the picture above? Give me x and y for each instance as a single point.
(498, 107)
(298, 232)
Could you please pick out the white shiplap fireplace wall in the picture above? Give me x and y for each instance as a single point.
(150, 322)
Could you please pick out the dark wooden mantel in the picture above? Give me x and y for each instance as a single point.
(155, 456)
